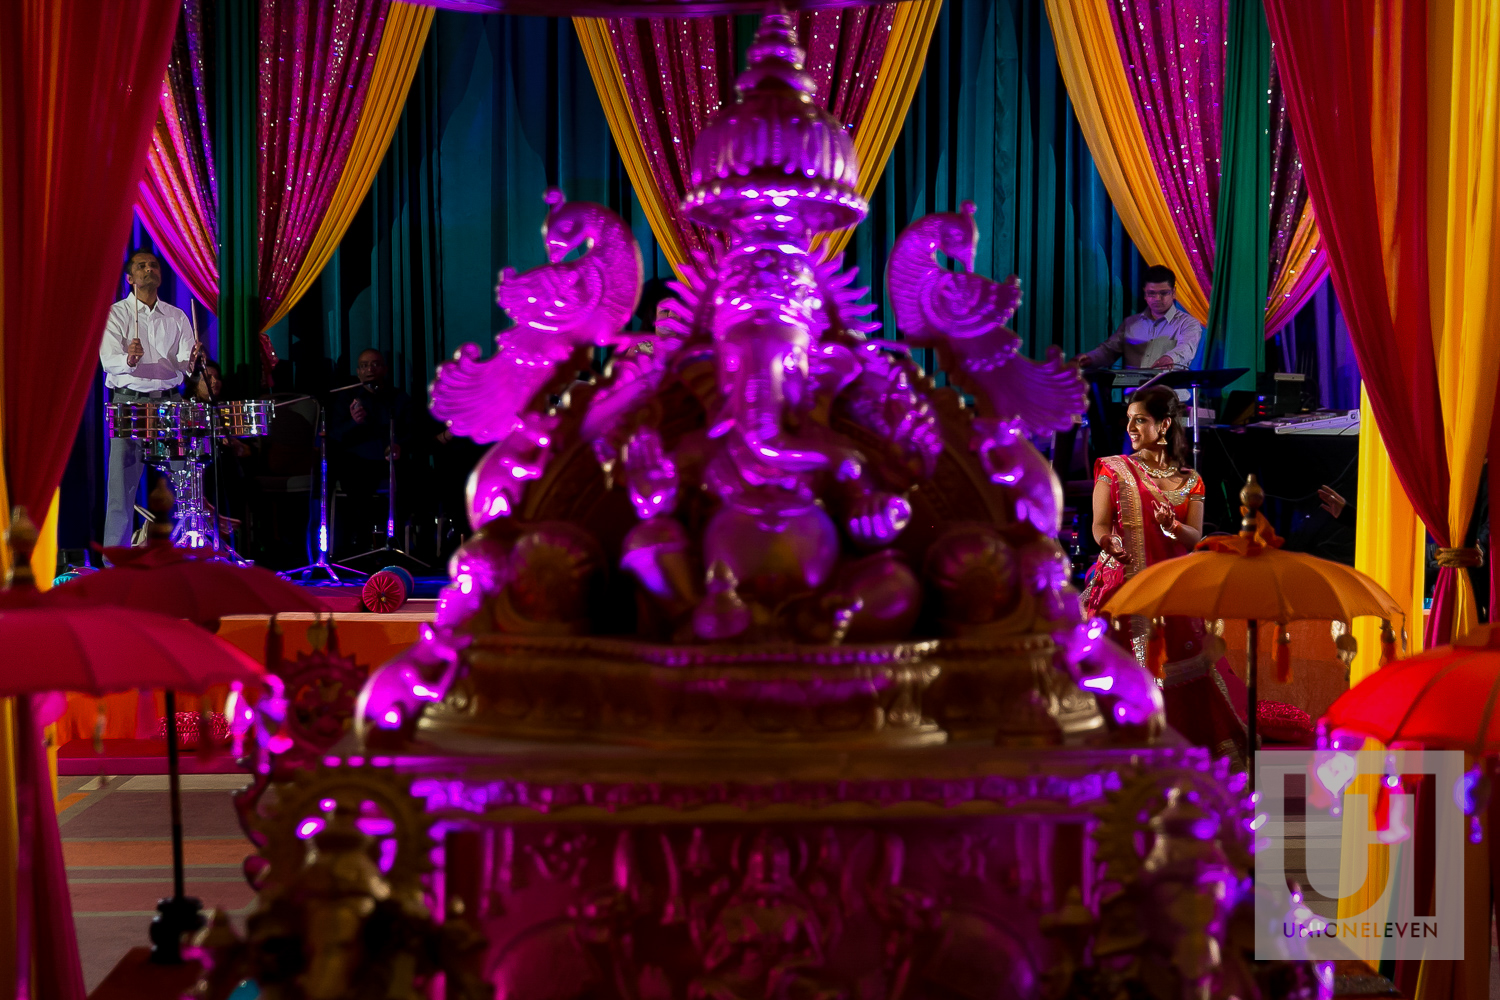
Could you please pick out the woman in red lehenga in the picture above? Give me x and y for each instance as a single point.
(1148, 507)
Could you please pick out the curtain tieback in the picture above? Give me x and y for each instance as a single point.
(1460, 557)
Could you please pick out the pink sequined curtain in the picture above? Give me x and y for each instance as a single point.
(1174, 59)
(178, 199)
(316, 62)
(677, 71)
(1173, 54)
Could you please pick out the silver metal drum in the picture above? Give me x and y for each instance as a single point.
(144, 420)
(245, 418)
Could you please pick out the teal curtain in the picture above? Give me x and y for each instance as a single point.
(1236, 309)
(236, 39)
(501, 108)
(991, 123)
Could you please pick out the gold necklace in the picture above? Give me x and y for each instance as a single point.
(1157, 473)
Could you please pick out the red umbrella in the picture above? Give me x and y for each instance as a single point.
(181, 583)
(99, 651)
(1445, 698)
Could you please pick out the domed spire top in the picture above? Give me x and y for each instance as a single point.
(775, 151)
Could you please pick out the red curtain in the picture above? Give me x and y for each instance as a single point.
(79, 84)
(678, 71)
(1373, 219)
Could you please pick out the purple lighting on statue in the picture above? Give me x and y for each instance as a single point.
(309, 827)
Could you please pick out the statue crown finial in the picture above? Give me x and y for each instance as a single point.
(775, 59)
(554, 196)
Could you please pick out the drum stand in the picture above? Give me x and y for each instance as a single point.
(389, 548)
(196, 527)
(324, 542)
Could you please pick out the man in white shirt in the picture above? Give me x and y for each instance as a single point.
(148, 347)
(1161, 337)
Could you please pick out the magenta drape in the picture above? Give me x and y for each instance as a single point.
(1173, 56)
(1326, 62)
(316, 61)
(1288, 189)
(677, 72)
(178, 200)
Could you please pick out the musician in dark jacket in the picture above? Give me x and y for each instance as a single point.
(360, 429)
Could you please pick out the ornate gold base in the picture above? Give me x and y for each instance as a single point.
(898, 694)
(646, 694)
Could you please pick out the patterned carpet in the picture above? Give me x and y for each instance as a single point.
(116, 836)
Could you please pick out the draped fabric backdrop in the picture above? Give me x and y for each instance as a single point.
(1149, 80)
(1396, 107)
(502, 107)
(1237, 305)
(178, 200)
(991, 122)
(72, 153)
(307, 95)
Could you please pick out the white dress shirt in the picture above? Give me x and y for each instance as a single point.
(1143, 341)
(166, 337)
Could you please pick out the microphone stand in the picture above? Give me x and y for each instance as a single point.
(390, 548)
(322, 563)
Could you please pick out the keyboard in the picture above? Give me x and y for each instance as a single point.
(1327, 424)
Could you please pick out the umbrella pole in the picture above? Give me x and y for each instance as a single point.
(1250, 673)
(180, 914)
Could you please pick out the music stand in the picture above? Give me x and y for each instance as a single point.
(1187, 378)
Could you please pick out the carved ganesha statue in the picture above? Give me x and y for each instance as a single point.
(762, 474)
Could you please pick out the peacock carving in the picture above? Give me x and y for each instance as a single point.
(963, 316)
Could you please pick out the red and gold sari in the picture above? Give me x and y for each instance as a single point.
(1205, 701)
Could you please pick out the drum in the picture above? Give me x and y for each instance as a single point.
(194, 419)
(245, 418)
(157, 420)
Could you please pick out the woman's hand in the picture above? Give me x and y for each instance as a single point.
(1115, 549)
(1165, 518)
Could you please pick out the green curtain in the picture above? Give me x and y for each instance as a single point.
(1236, 309)
(501, 108)
(991, 123)
(236, 39)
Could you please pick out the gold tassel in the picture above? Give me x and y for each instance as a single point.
(1283, 655)
(1387, 642)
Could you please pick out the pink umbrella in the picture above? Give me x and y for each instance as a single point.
(98, 651)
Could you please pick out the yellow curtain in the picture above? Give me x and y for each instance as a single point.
(1089, 57)
(1463, 206)
(609, 81)
(401, 45)
(900, 70)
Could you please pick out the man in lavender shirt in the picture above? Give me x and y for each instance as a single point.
(1161, 337)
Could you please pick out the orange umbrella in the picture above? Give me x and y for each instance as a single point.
(1248, 576)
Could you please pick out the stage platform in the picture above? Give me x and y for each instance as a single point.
(131, 722)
